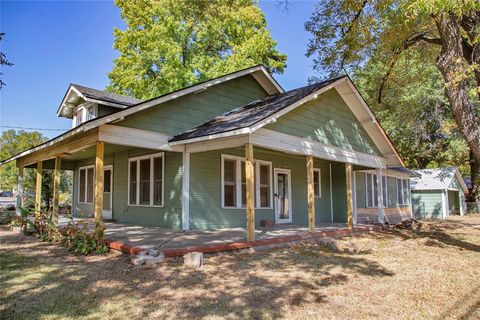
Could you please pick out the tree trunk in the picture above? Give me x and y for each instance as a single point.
(453, 67)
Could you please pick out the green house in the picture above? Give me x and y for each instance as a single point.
(438, 193)
(235, 151)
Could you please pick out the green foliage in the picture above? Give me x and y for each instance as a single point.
(3, 61)
(414, 111)
(170, 44)
(13, 142)
(391, 47)
(75, 236)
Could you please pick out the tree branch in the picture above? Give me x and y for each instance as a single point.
(350, 26)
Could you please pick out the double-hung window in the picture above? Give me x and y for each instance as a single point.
(145, 180)
(372, 190)
(403, 192)
(86, 176)
(234, 185)
(317, 186)
(385, 191)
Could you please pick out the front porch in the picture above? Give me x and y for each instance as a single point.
(133, 239)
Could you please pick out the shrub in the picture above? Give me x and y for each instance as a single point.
(75, 236)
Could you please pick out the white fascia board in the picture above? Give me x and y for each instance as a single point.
(217, 144)
(367, 119)
(136, 138)
(314, 95)
(389, 173)
(70, 89)
(296, 145)
(460, 180)
(106, 103)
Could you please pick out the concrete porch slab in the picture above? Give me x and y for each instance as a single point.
(134, 239)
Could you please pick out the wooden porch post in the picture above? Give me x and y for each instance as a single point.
(99, 181)
(56, 189)
(310, 195)
(18, 208)
(38, 189)
(250, 190)
(348, 178)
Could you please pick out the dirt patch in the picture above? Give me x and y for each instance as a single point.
(397, 273)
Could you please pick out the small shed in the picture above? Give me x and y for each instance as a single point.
(438, 193)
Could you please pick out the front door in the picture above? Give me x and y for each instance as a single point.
(283, 196)
(107, 192)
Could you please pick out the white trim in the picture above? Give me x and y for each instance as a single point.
(354, 196)
(86, 184)
(290, 200)
(108, 214)
(296, 145)
(379, 177)
(238, 181)
(151, 195)
(319, 195)
(331, 191)
(444, 204)
(373, 178)
(186, 191)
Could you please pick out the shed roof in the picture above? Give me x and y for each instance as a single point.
(437, 179)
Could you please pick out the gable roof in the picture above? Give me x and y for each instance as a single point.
(259, 72)
(255, 115)
(76, 91)
(251, 113)
(437, 179)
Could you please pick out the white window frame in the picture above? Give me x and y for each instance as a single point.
(86, 184)
(319, 195)
(82, 111)
(372, 195)
(385, 191)
(137, 159)
(238, 182)
(405, 185)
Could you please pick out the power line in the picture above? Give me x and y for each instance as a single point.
(39, 129)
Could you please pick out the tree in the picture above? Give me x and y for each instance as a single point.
(11, 143)
(414, 111)
(347, 33)
(3, 61)
(169, 44)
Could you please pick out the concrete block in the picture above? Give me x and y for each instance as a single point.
(138, 261)
(193, 259)
(153, 252)
(150, 261)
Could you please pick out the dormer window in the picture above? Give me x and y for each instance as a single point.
(83, 113)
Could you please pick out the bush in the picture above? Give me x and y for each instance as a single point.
(6, 217)
(75, 236)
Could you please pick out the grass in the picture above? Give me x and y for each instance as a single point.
(432, 273)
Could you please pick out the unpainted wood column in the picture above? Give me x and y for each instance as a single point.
(100, 150)
(56, 189)
(348, 178)
(250, 190)
(38, 189)
(310, 195)
(18, 209)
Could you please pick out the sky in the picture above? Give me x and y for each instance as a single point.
(55, 43)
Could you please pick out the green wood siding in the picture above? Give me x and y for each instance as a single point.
(328, 120)
(205, 190)
(339, 192)
(176, 116)
(168, 216)
(427, 204)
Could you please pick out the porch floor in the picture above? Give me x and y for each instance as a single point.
(134, 238)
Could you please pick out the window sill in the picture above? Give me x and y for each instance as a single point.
(84, 202)
(145, 205)
(262, 208)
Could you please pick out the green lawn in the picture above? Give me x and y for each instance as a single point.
(397, 274)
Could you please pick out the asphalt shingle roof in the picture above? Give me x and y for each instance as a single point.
(106, 96)
(252, 113)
